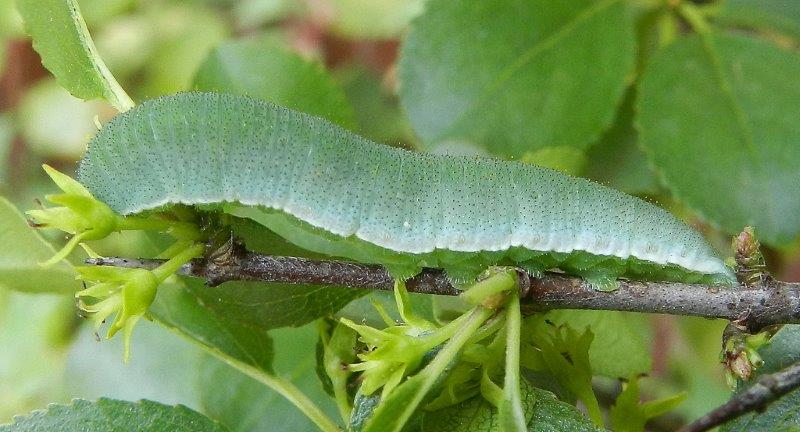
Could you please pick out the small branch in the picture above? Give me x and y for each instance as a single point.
(766, 390)
(770, 303)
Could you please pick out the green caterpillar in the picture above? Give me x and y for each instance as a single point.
(332, 192)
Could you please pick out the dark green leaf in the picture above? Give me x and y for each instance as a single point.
(544, 412)
(62, 40)
(718, 118)
(516, 75)
(106, 415)
(616, 159)
(177, 308)
(781, 415)
(19, 265)
(257, 69)
(244, 404)
(267, 306)
(377, 111)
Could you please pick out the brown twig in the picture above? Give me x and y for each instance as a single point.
(773, 302)
(766, 390)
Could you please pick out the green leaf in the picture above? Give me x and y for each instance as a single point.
(375, 19)
(163, 368)
(781, 415)
(53, 123)
(183, 35)
(107, 414)
(62, 40)
(619, 348)
(616, 160)
(767, 16)
(563, 353)
(257, 69)
(177, 308)
(717, 117)
(516, 75)
(247, 349)
(267, 306)
(544, 412)
(34, 333)
(244, 404)
(565, 159)
(19, 265)
(10, 21)
(377, 110)
(629, 415)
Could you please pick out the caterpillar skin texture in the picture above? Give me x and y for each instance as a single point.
(330, 191)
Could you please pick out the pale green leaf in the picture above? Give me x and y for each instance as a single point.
(184, 35)
(257, 69)
(163, 367)
(19, 265)
(514, 76)
(106, 415)
(62, 40)
(375, 19)
(54, 124)
(246, 405)
(34, 333)
(718, 118)
(628, 414)
(619, 348)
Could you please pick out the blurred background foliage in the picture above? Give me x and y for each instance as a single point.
(340, 59)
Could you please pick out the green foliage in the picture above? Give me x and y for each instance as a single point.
(630, 415)
(62, 39)
(514, 76)
(563, 353)
(761, 15)
(176, 308)
(20, 267)
(244, 404)
(268, 306)
(619, 348)
(616, 160)
(256, 69)
(544, 412)
(716, 110)
(108, 414)
(55, 124)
